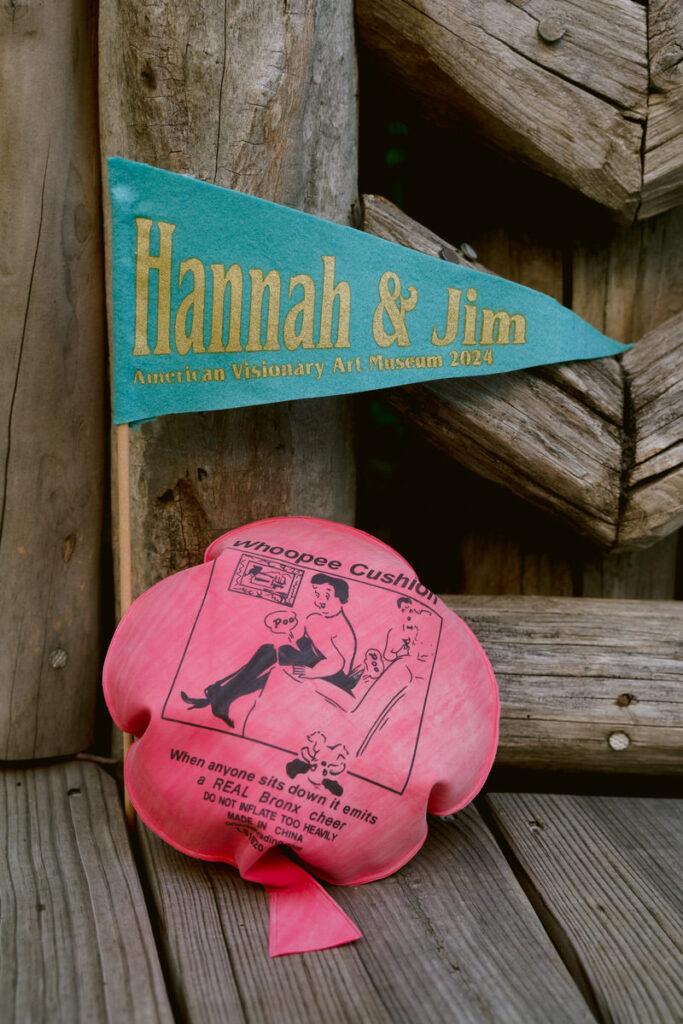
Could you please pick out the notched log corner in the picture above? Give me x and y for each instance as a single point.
(589, 93)
(597, 443)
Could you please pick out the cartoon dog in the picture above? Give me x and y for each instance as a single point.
(322, 762)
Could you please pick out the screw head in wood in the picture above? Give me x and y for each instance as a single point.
(618, 741)
(551, 30)
(58, 658)
(467, 251)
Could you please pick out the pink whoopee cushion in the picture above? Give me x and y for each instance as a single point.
(301, 689)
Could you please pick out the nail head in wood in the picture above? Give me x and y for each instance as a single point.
(467, 251)
(551, 30)
(618, 741)
(58, 657)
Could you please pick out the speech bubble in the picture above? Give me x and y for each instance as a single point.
(373, 663)
(282, 622)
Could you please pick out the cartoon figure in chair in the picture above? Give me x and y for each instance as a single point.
(325, 651)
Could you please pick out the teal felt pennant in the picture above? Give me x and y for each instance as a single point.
(223, 300)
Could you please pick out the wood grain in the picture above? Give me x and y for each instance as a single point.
(449, 937)
(528, 433)
(52, 389)
(601, 874)
(647, 574)
(75, 942)
(573, 672)
(663, 152)
(627, 282)
(259, 97)
(654, 371)
(573, 108)
(563, 436)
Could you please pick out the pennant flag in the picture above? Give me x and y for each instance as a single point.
(223, 300)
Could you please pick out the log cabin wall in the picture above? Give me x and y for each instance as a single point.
(52, 390)
(626, 280)
(263, 98)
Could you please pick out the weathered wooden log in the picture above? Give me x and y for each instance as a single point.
(523, 76)
(51, 393)
(586, 684)
(559, 436)
(663, 151)
(654, 497)
(260, 97)
(568, 90)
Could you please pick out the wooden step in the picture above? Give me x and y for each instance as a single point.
(604, 874)
(76, 944)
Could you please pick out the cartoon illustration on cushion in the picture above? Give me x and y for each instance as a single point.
(321, 762)
(325, 651)
(346, 658)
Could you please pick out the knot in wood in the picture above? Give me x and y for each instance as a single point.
(58, 658)
(551, 30)
(618, 741)
(666, 68)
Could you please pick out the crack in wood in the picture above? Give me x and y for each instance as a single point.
(629, 115)
(220, 90)
(552, 924)
(17, 372)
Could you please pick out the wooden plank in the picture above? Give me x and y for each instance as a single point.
(663, 154)
(52, 389)
(76, 944)
(586, 684)
(261, 98)
(501, 545)
(449, 937)
(519, 76)
(601, 873)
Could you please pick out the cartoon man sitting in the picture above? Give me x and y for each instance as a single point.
(325, 650)
(401, 640)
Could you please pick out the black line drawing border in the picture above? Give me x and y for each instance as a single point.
(287, 750)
